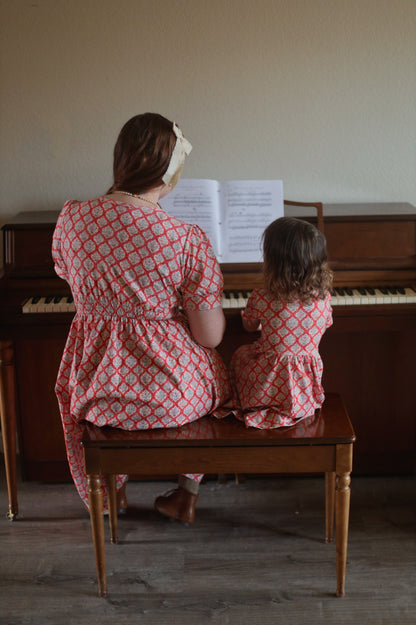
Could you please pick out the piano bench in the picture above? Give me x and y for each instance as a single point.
(321, 444)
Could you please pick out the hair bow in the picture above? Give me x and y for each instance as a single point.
(182, 148)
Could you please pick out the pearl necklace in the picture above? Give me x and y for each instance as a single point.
(139, 197)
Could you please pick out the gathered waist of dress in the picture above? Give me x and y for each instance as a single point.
(136, 313)
(282, 352)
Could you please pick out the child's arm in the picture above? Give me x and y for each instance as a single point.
(250, 325)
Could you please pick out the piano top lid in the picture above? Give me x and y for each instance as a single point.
(32, 219)
(358, 241)
(372, 210)
(347, 209)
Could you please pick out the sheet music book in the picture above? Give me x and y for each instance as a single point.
(233, 214)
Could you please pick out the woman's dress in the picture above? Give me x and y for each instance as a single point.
(130, 360)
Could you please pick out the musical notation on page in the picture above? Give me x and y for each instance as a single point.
(233, 214)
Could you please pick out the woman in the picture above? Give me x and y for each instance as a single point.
(147, 289)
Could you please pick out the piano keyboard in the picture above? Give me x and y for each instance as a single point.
(49, 304)
(344, 296)
(341, 296)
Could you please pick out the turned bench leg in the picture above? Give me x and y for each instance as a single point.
(329, 506)
(342, 511)
(95, 498)
(8, 423)
(112, 506)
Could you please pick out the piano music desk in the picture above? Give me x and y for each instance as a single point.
(209, 445)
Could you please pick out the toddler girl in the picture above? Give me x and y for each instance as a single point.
(277, 379)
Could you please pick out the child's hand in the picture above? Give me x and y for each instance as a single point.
(250, 326)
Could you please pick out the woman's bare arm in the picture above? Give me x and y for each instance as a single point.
(207, 326)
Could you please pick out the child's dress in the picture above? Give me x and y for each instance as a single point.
(277, 379)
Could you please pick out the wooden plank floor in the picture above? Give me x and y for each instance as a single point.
(254, 556)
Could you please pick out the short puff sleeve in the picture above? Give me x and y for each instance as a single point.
(203, 282)
(251, 313)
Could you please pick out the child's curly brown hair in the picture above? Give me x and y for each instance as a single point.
(295, 260)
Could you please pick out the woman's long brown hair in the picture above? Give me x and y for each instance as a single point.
(142, 153)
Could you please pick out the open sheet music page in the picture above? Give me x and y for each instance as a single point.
(197, 201)
(233, 214)
(249, 206)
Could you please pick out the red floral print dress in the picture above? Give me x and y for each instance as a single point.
(130, 360)
(277, 379)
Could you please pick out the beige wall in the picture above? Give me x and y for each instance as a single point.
(318, 93)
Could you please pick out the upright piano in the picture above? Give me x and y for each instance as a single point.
(368, 354)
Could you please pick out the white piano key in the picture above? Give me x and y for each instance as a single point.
(410, 296)
(380, 297)
(27, 305)
(356, 297)
(68, 305)
(42, 306)
(233, 300)
(242, 300)
(349, 296)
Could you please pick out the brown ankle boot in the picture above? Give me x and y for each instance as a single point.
(179, 504)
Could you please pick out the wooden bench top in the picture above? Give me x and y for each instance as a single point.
(329, 426)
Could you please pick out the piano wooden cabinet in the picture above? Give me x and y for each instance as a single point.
(368, 354)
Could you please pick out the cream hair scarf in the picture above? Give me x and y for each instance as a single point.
(182, 148)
